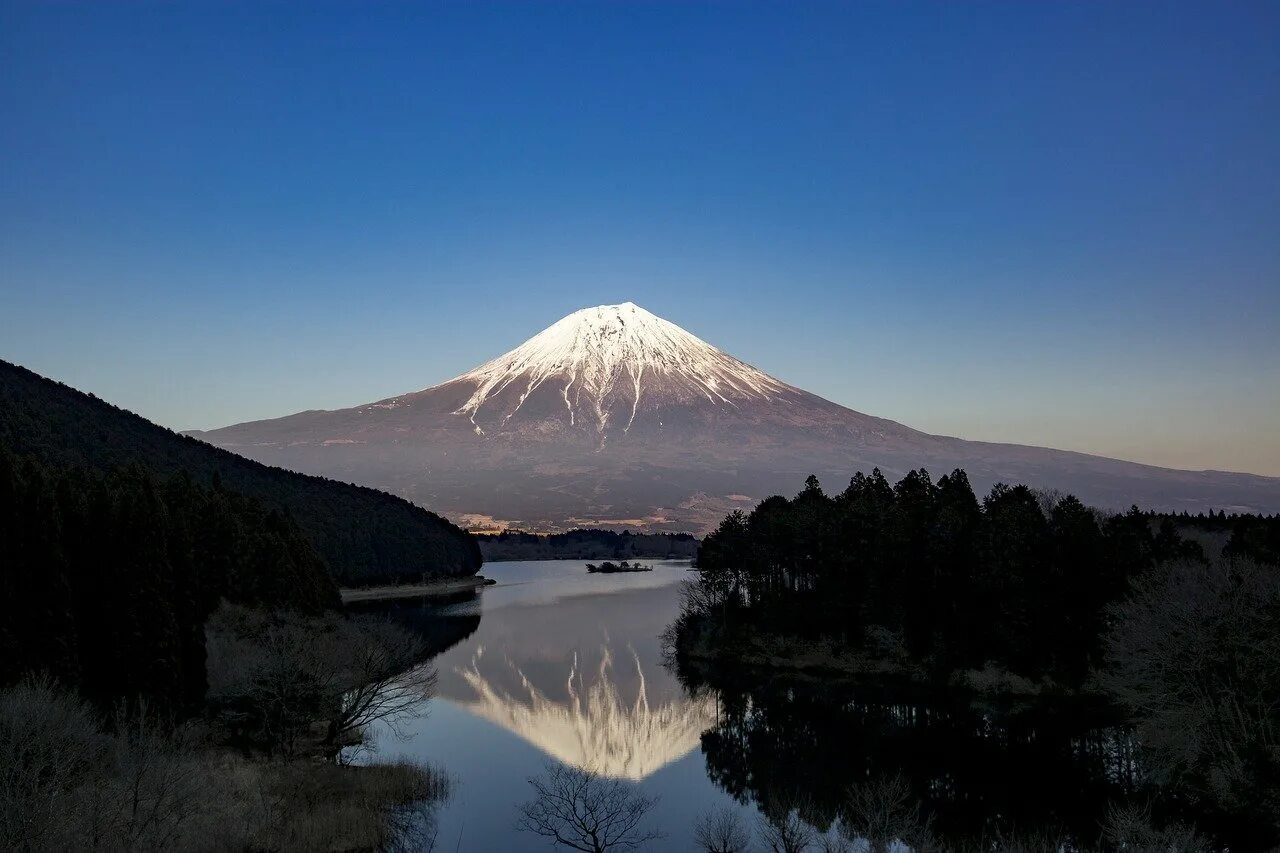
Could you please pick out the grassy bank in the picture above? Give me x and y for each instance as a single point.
(80, 780)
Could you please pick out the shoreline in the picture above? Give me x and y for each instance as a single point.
(429, 589)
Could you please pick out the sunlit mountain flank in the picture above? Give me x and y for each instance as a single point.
(615, 417)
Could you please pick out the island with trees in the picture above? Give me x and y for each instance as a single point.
(608, 568)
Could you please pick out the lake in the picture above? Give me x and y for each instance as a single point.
(555, 664)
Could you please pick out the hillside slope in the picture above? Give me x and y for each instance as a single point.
(365, 535)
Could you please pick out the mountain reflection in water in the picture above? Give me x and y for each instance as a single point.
(595, 727)
(565, 666)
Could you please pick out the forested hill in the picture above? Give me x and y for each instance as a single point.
(365, 536)
(111, 576)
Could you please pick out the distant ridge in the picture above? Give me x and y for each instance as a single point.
(613, 417)
(366, 536)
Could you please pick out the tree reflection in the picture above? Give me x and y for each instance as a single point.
(976, 772)
(441, 621)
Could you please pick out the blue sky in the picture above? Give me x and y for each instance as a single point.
(1055, 224)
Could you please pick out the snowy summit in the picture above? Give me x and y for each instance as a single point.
(609, 362)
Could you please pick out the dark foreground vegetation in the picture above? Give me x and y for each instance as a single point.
(246, 755)
(586, 545)
(880, 816)
(365, 536)
(242, 776)
(109, 578)
(1172, 621)
(175, 671)
(174, 675)
(580, 809)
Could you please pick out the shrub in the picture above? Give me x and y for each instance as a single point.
(66, 783)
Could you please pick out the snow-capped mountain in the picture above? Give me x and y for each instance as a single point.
(613, 416)
(609, 364)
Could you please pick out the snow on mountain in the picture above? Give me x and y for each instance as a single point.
(614, 353)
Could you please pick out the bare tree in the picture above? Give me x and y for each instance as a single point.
(1048, 499)
(833, 841)
(67, 785)
(272, 675)
(1194, 654)
(883, 811)
(582, 810)
(721, 831)
(50, 747)
(1130, 828)
(145, 784)
(384, 679)
(275, 675)
(785, 831)
(155, 787)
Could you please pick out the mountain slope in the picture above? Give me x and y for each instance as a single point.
(613, 416)
(366, 536)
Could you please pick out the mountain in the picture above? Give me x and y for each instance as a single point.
(364, 535)
(615, 417)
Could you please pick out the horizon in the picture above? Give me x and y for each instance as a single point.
(1049, 226)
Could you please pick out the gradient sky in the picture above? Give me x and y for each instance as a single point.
(1045, 223)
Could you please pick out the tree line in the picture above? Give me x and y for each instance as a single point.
(110, 577)
(1019, 579)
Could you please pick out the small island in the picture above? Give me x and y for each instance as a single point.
(611, 568)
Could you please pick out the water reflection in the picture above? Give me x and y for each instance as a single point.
(442, 621)
(978, 772)
(594, 727)
(567, 666)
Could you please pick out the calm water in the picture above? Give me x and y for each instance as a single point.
(554, 664)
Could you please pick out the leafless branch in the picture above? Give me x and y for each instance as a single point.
(584, 811)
